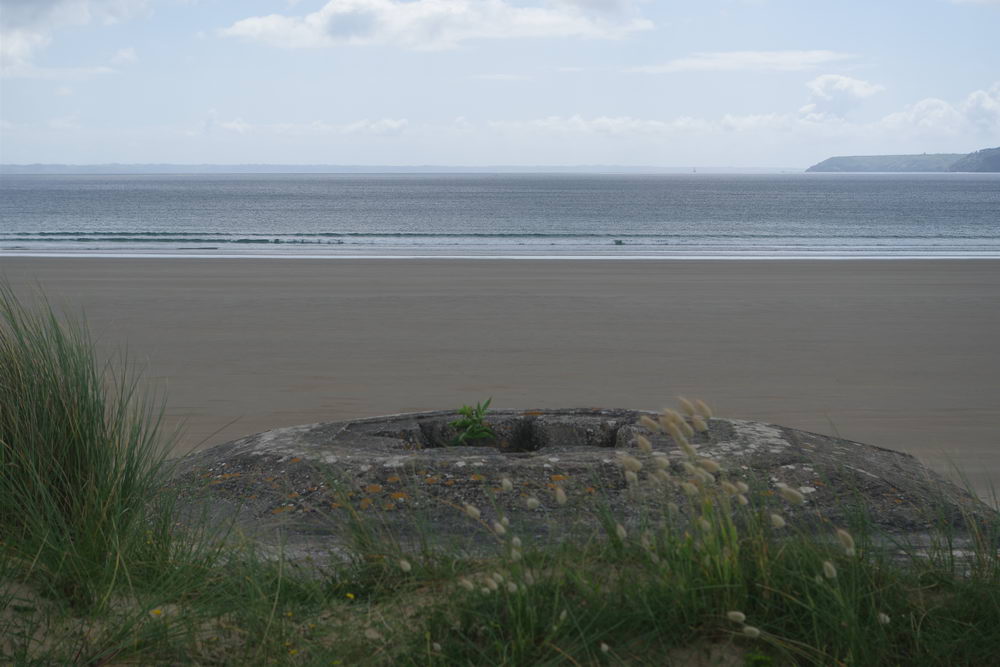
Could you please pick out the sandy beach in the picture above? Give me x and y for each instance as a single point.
(901, 354)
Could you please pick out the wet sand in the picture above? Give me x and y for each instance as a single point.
(903, 354)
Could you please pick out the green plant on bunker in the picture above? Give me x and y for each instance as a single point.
(470, 425)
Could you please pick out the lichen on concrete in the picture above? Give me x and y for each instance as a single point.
(302, 484)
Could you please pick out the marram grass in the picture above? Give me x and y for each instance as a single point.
(80, 451)
(735, 585)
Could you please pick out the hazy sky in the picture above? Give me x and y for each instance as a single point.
(770, 83)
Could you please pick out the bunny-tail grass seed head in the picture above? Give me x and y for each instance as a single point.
(671, 415)
(883, 618)
(498, 528)
(709, 465)
(532, 502)
(706, 478)
(506, 484)
(685, 428)
(686, 405)
(629, 462)
(846, 540)
(829, 570)
(660, 461)
(699, 424)
(466, 584)
(560, 496)
(631, 478)
(729, 488)
(472, 511)
(777, 521)
(649, 423)
(644, 445)
(404, 565)
(751, 632)
(702, 408)
(664, 422)
(736, 616)
(791, 495)
(620, 531)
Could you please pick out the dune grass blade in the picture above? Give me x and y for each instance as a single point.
(80, 450)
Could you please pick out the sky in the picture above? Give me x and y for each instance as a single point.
(673, 83)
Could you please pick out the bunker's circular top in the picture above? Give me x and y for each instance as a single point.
(304, 480)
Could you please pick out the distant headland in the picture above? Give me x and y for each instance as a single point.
(986, 160)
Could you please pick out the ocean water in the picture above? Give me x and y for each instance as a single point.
(503, 215)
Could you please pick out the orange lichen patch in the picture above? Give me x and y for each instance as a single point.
(335, 506)
(252, 497)
(295, 460)
(293, 494)
(373, 488)
(394, 479)
(207, 474)
(388, 507)
(450, 482)
(279, 510)
(590, 489)
(230, 475)
(399, 495)
(365, 503)
(476, 477)
(559, 478)
(432, 480)
(551, 485)
(533, 412)
(769, 492)
(268, 479)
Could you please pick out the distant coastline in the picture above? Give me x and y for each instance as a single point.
(984, 161)
(160, 168)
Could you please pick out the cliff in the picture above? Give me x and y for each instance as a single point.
(986, 160)
(938, 162)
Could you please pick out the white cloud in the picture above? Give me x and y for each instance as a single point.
(378, 127)
(829, 86)
(982, 109)
(64, 123)
(606, 125)
(237, 125)
(501, 77)
(27, 27)
(124, 56)
(977, 115)
(429, 24)
(747, 61)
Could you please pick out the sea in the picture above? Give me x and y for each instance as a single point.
(474, 215)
